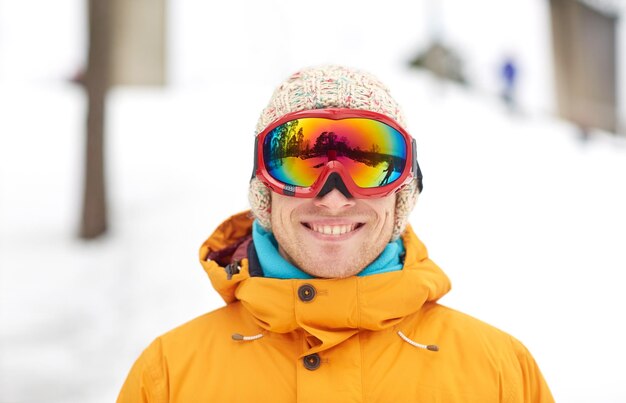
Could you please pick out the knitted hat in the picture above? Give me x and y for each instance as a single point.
(330, 87)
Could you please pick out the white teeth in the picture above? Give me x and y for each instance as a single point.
(333, 229)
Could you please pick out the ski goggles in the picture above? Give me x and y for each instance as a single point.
(372, 155)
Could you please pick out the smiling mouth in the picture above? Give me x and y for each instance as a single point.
(333, 229)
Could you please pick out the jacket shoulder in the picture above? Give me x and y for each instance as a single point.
(149, 378)
(217, 323)
(470, 344)
(456, 321)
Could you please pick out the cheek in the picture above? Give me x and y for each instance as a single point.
(385, 208)
(282, 208)
(278, 212)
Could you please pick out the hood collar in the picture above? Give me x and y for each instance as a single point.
(340, 308)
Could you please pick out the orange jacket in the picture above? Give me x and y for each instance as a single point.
(359, 339)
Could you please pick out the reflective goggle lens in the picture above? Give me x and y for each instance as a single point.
(373, 153)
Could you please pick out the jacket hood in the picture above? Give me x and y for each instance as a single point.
(341, 307)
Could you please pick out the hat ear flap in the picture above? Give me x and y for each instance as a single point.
(260, 200)
(405, 202)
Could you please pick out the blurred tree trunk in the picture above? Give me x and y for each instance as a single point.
(585, 54)
(94, 214)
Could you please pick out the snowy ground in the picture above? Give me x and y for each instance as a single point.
(527, 220)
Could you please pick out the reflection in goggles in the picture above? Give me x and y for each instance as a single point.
(372, 152)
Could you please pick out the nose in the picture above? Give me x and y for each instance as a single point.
(334, 201)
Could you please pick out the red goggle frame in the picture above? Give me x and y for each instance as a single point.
(284, 156)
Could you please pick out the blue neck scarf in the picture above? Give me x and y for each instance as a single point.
(275, 266)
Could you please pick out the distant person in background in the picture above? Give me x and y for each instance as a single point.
(508, 73)
(330, 296)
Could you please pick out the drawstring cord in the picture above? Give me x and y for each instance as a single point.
(240, 337)
(429, 347)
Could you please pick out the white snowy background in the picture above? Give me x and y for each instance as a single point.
(528, 220)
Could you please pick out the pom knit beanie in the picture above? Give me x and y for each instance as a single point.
(330, 87)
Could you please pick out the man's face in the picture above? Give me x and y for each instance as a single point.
(332, 236)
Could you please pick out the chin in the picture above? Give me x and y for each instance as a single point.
(334, 275)
(336, 271)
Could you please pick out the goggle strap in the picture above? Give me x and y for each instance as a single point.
(256, 158)
(416, 166)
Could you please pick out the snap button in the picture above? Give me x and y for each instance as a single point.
(306, 292)
(311, 362)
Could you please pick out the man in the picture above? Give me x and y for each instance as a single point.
(330, 295)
